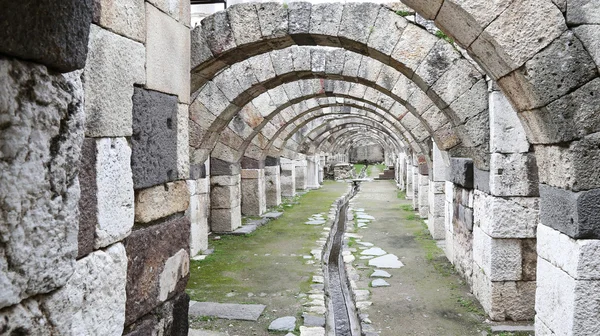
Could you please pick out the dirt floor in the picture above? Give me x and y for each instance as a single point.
(266, 267)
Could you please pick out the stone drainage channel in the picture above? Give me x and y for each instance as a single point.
(342, 317)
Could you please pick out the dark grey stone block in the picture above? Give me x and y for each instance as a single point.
(171, 318)
(272, 161)
(154, 139)
(461, 172)
(481, 180)
(197, 171)
(88, 202)
(576, 214)
(219, 167)
(250, 163)
(53, 33)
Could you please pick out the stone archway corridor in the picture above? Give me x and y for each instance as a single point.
(129, 136)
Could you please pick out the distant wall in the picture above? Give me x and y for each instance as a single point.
(370, 153)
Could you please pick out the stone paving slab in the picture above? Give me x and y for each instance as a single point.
(272, 215)
(230, 311)
(199, 332)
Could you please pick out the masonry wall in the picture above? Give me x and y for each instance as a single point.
(105, 252)
(371, 154)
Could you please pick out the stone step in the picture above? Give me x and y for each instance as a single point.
(229, 311)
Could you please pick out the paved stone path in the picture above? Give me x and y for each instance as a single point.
(419, 300)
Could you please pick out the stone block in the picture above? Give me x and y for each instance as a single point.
(219, 167)
(224, 196)
(537, 84)
(91, 303)
(513, 175)
(579, 258)
(225, 180)
(582, 12)
(272, 186)
(253, 193)
(225, 220)
(387, 29)
(161, 201)
(590, 37)
(572, 213)
(183, 142)
(481, 180)
(167, 72)
(273, 18)
(88, 200)
(565, 305)
(499, 259)
(462, 250)
(154, 140)
(126, 18)
(198, 213)
(113, 189)
(299, 21)
(506, 217)
(357, 23)
(177, 9)
(325, 22)
(60, 43)
(505, 300)
(576, 167)
(158, 265)
(410, 54)
(170, 318)
(461, 172)
(300, 175)
(506, 131)
(519, 33)
(109, 81)
(42, 116)
(243, 20)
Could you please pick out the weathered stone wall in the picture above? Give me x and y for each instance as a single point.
(95, 214)
(370, 154)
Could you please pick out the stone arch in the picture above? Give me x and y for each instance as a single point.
(332, 138)
(456, 73)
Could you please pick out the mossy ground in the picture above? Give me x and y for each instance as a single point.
(265, 267)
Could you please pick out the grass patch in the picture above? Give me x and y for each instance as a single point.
(406, 207)
(470, 306)
(261, 261)
(445, 37)
(401, 194)
(358, 167)
(403, 13)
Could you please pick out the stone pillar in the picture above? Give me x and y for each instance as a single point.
(272, 186)
(415, 189)
(423, 195)
(288, 177)
(301, 174)
(506, 214)
(435, 221)
(321, 168)
(459, 217)
(254, 201)
(198, 213)
(409, 180)
(312, 172)
(225, 200)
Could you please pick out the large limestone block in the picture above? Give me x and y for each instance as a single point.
(506, 131)
(243, 20)
(272, 186)
(167, 54)
(177, 9)
(386, 32)
(580, 258)
(113, 66)
(225, 196)
(583, 11)
(325, 22)
(513, 175)
(520, 32)
(40, 145)
(506, 217)
(199, 212)
(357, 24)
(499, 259)
(537, 84)
(106, 204)
(410, 54)
(565, 305)
(126, 18)
(225, 220)
(505, 300)
(158, 258)
(60, 43)
(590, 37)
(154, 140)
(574, 167)
(161, 201)
(91, 303)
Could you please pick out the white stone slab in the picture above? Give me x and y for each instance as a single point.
(381, 274)
(379, 283)
(374, 251)
(386, 261)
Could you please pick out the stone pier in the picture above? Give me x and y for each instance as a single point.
(225, 200)
(288, 177)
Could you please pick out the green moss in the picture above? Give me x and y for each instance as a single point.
(403, 13)
(441, 35)
(358, 167)
(261, 261)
